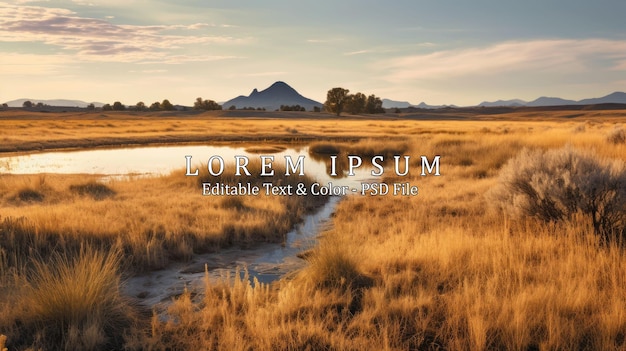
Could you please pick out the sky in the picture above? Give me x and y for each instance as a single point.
(440, 52)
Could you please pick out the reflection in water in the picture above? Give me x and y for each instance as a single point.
(160, 160)
(266, 262)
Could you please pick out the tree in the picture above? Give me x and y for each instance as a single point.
(336, 99)
(155, 106)
(118, 106)
(355, 103)
(199, 104)
(167, 105)
(208, 105)
(374, 105)
(5, 105)
(292, 108)
(27, 104)
(107, 107)
(140, 106)
(91, 107)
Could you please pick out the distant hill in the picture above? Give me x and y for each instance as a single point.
(427, 106)
(55, 102)
(279, 93)
(514, 102)
(613, 98)
(550, 101)
(387, 103)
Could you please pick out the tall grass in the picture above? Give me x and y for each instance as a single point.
(70, 303)
(153, 220)
(438, 271)
(432, 272)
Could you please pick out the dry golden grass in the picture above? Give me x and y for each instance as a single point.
(154, 220)
(69, 302)
(436, 271)
(440, 270)
(32, 131)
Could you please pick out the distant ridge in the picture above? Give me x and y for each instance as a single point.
(387, 103)
(54, 102)
(279, 93)
(613, 98)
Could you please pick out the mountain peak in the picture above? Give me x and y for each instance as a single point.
(281, 86)
(277, 94)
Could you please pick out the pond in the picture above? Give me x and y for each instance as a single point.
(265, 262)
(159, 160)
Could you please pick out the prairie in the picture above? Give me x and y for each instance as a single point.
(34, 131)
(442, 270)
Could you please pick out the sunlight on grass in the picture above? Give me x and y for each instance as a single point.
(445, 270)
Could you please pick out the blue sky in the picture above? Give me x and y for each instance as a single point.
(443, 52)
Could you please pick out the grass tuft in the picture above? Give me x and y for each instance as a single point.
(30, 195)
(96, 191)
(333, 267)
(72, 303)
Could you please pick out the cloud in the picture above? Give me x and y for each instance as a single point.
(555, 56)
(323, 41)
(180, 59)
(150, 71)
(30, 64)
(358, 52)
(93, 39)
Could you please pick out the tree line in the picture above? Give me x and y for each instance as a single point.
(339, 100)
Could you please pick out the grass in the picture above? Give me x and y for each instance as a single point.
(153, 220)
(72, 302)
(33, 131)
(95, 190)
(443, 270)
(438, 271)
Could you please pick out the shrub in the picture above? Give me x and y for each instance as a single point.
(324, 149)
(96, 190)
(617, 135)
(556, 184)
(30, 195)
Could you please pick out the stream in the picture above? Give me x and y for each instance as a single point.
(265, 262)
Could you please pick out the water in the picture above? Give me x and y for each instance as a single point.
(159, 160)
(265, 262)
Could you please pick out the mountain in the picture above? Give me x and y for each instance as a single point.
(279, 93)
(550, 101)
(513, 102)
(615, 98)
(387, 103)
(425, 105)
(55, 102)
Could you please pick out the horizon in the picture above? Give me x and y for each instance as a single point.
(441, 54)
(412, 103)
